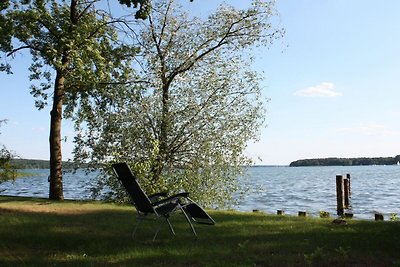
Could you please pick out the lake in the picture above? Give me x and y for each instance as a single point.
(292, 189)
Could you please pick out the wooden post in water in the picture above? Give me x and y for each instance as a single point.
(302, 213)
(379, 217)
(340, 194)
(346, 187)
(348, 177)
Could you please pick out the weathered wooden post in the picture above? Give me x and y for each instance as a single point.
(348, 177)
(346, 187)
(379, 217)
(302, 213)
(340, 194)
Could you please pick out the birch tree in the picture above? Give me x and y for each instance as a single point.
(185, 126)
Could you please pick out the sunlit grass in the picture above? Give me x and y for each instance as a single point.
(38, 232)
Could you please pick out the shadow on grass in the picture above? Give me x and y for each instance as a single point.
(102, 237)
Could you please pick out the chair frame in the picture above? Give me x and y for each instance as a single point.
(142, 216)
(161, 208)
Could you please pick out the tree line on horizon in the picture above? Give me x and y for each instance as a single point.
(37, 164)
(346, 161)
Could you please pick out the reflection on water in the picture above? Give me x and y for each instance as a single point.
(311, 189)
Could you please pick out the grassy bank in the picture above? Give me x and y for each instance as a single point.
(37, 232)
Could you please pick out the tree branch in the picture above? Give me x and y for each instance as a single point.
(164, 23)
(159, 52)
(21, 48)
(84, 11)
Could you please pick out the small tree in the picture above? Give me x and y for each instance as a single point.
(7, 170)
(76, 54)
(185, 127)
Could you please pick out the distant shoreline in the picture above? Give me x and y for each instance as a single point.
(45, 164)
(346, 161)
(37, 164)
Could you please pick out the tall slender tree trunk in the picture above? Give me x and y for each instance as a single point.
(56, 181)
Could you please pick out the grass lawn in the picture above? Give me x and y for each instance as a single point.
(38, 232)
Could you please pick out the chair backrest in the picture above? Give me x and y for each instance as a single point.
(128, 180)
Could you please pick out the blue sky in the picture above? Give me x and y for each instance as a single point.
(333, 82)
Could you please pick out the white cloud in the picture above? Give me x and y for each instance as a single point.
(324, 89)
(371, 128)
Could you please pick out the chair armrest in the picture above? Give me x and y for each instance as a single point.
(160, 194)
(183, 194)
(157, 196)
(171, 198)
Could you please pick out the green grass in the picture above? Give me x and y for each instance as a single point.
(38, 232)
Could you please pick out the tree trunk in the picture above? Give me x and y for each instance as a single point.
(162, 156)
(56, 182)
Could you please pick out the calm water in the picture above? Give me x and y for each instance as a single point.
(311, 189)
(76, 185)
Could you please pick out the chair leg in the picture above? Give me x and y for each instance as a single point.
(136, 227)
(189, 222)
(170, 226)
(159, 228)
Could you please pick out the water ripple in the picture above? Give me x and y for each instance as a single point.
(311, 189)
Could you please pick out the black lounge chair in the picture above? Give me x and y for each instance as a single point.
(160, 205)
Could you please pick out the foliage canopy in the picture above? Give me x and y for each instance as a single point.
(185, 123)
(76, 53)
